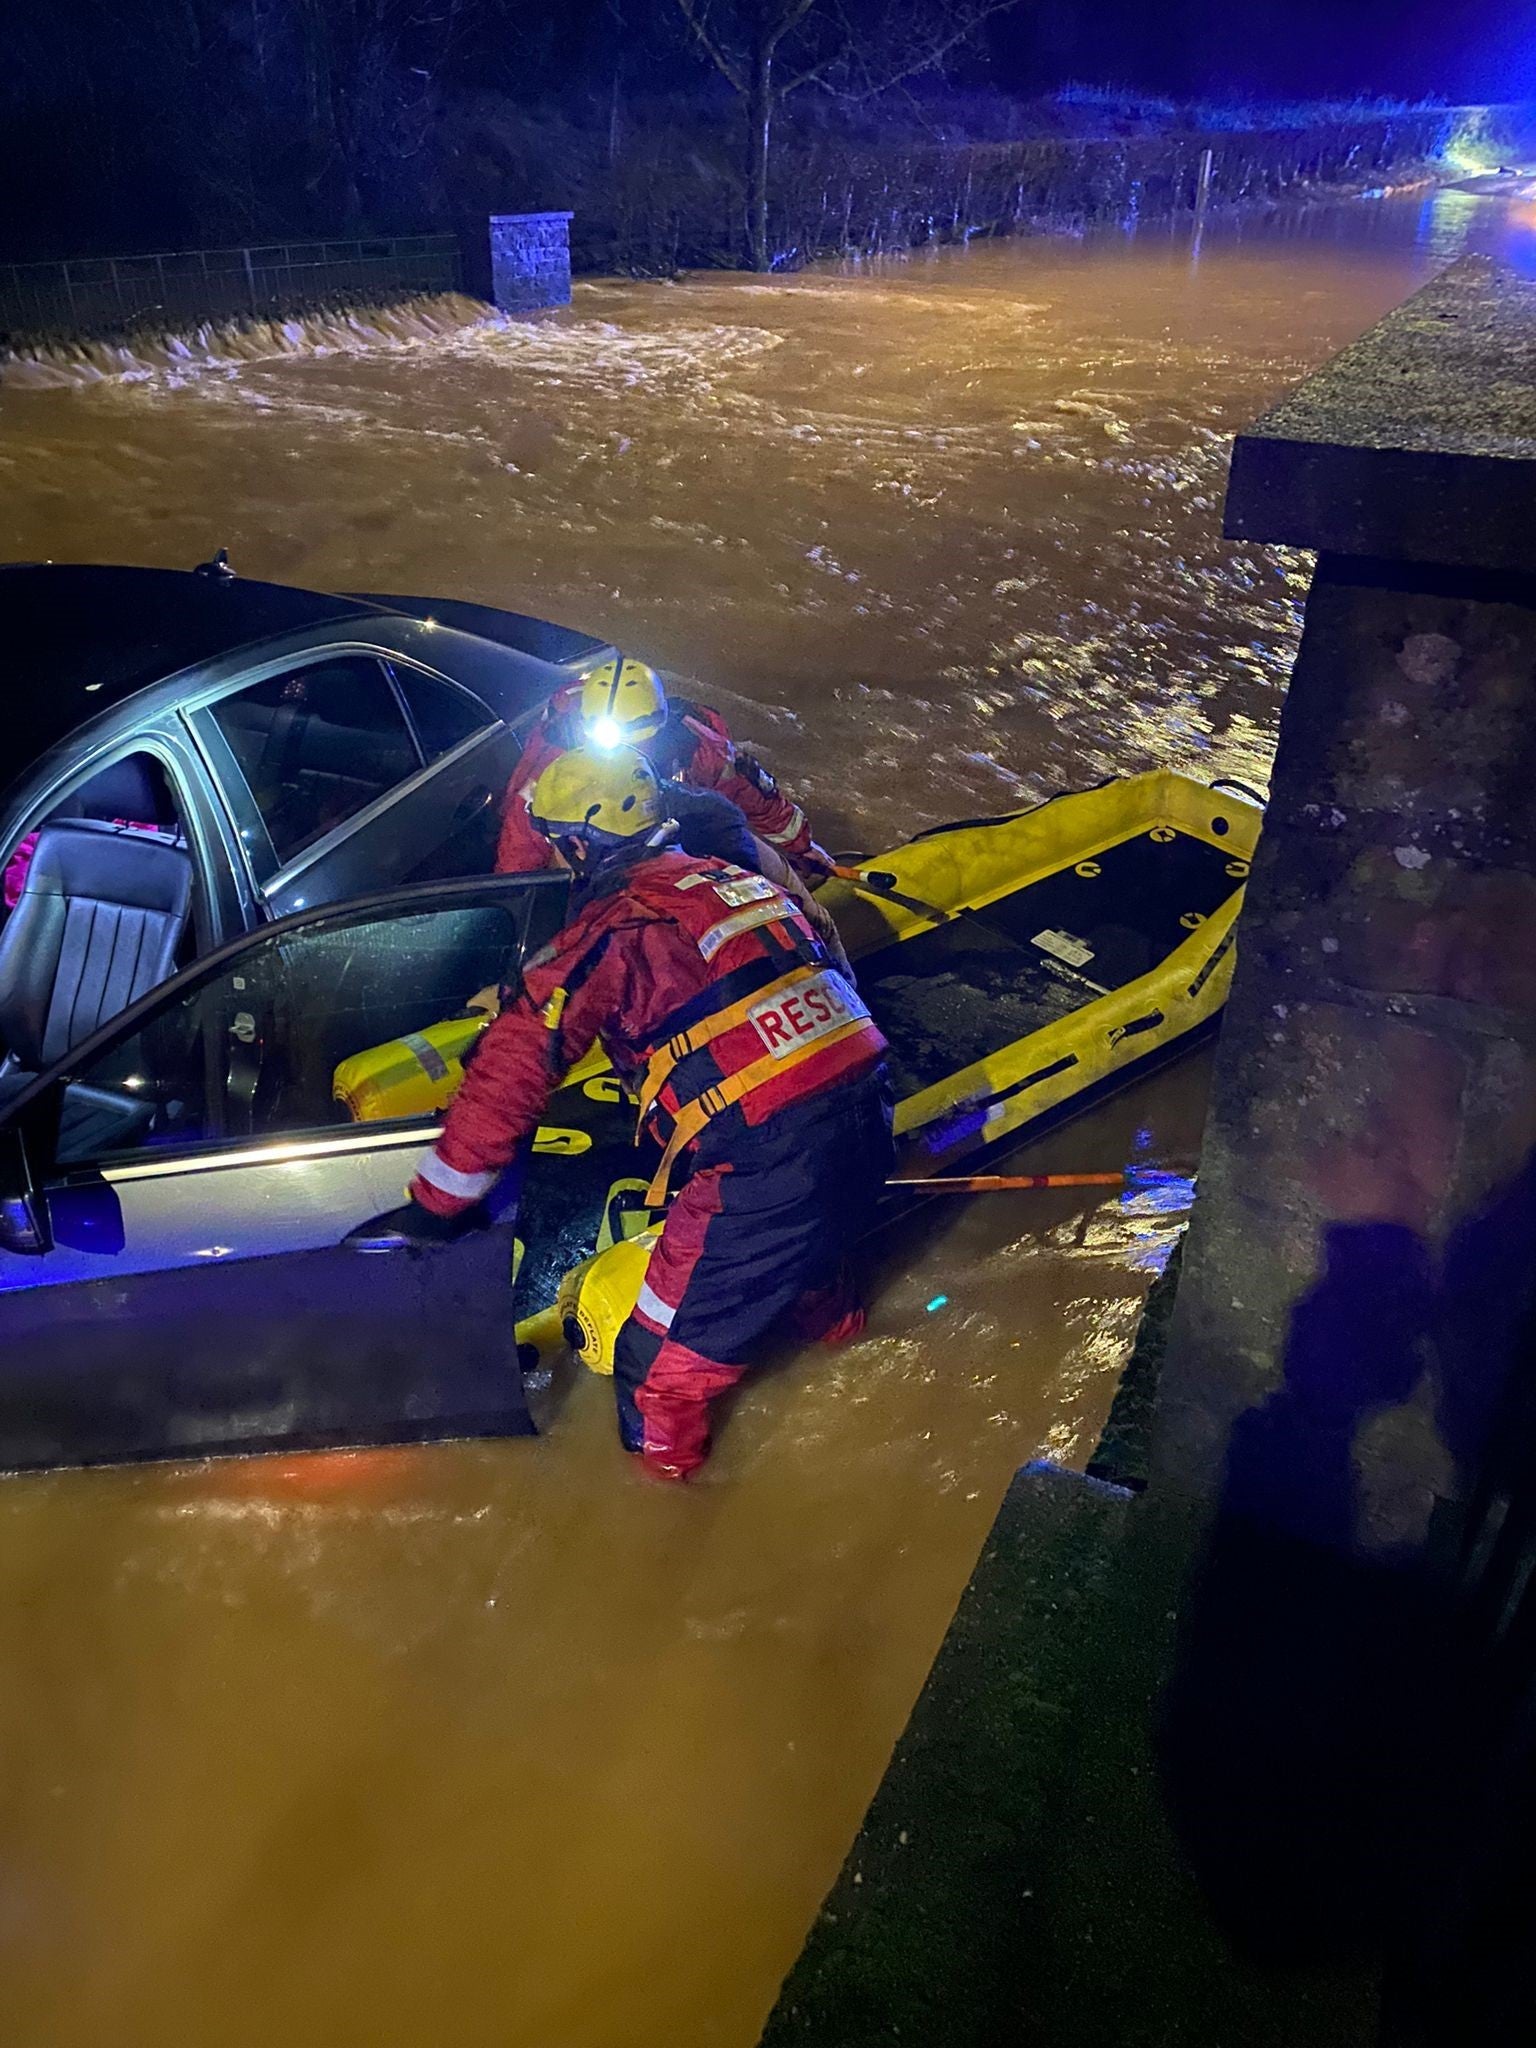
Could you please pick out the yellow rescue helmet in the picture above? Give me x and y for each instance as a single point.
(622, 703)
(590, 795)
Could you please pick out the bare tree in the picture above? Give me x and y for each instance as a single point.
(369, 70)
(768, 49)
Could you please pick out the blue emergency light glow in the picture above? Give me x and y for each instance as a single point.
(938, 1301)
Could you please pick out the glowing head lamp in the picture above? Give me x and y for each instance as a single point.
(623, 704)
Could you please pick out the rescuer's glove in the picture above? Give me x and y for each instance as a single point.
(408, 1228)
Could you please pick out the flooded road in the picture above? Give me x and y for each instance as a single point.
(497, 1744)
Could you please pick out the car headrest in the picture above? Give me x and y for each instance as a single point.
(132, 869)
(132, 788)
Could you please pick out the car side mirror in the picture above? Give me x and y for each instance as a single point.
(24, 1222)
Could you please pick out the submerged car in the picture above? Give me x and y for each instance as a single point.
(186, 759)
(185, 756)
(187, 1193)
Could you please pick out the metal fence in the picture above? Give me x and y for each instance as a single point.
(105, 295)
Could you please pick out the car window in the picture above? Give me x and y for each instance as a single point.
(316, 745)
(250, 1050)
(444, 715)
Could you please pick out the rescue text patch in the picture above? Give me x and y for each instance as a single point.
(805, 1013)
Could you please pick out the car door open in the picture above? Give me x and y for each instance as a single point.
(175, 1200)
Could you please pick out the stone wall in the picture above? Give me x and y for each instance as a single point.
(1361, 1265)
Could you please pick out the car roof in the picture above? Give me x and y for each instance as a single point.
(76, 640)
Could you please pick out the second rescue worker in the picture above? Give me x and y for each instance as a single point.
(751, 1056)
(622, 703)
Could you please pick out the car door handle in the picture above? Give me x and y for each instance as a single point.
(472, 806)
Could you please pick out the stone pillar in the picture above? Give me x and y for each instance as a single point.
(1359, 1273)
(530, 261)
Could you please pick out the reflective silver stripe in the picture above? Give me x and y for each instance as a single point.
(467, 1187)
(652, 1305)
(792, 830)
(371, 1138)
(729, 928)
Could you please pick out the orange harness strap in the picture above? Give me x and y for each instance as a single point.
(693, 1116)
(697, 1036)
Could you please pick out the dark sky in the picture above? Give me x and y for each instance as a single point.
(1460, 49)
(1454, 49)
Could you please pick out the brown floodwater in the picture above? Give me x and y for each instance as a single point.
(497, 1744)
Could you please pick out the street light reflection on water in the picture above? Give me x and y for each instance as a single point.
(493, 1744)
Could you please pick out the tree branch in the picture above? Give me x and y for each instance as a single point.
(813, 74)
(794, 13)
(963, 22)
(728, 69)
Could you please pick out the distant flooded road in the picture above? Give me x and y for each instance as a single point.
(494, 1746)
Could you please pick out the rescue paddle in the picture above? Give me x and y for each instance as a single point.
(991, 1183)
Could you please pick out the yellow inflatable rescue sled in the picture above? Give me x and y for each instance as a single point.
(1065, 949)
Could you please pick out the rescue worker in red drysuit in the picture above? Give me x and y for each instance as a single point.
(751, 1056)
(623, 703)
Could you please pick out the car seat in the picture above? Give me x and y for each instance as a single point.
(133, 791)
(99, 922)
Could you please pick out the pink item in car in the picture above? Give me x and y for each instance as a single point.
(16, 868)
